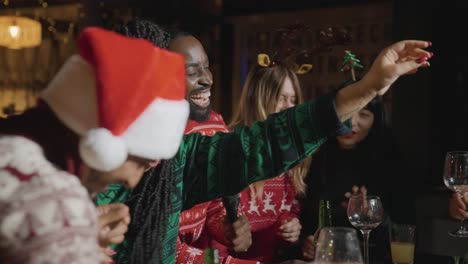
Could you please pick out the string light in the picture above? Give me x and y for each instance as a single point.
(6, 2)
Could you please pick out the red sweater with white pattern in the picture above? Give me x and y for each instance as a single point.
(265, 217)
(191, 241)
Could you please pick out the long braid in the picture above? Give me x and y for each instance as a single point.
(145, 29)
(150, 207)
(150, 204)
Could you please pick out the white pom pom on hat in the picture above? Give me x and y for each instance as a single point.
(101, 150)
(123, 96)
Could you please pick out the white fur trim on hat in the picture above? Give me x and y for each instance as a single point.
(101, 150)
(158, 131)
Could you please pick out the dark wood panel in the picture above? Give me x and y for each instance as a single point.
(244, 7)
(33, 3)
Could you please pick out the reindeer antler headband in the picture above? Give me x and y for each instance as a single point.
(294, 57)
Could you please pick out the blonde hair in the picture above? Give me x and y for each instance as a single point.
(259, 98)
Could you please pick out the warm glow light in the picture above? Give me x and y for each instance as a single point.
(14, 31)
(19, 32)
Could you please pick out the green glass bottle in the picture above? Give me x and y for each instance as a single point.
(324, 218)
(211, 256)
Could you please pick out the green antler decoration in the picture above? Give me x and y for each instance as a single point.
(350, 62)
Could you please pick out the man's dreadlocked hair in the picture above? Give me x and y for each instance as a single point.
(150, 202)
(145, 29)
(150, 208)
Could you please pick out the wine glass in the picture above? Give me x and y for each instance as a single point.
(456, 179)
(338, 245)
(365, 213)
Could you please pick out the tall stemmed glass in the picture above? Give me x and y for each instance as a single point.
(365, 213)
(456, 179)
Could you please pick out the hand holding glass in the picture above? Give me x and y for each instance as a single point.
(456, 179)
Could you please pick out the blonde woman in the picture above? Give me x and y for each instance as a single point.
(270, 205)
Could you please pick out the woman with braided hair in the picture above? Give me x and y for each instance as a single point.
(47, 175)
(201, 120)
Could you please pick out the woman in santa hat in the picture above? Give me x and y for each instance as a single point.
(98, 119)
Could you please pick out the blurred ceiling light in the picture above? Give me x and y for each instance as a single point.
(19, 32)
(14, 31)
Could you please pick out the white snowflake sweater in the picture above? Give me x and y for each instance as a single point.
(46, 216)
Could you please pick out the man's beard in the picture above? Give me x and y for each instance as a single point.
(198, 113)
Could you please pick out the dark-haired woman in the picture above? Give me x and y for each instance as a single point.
(364, 157)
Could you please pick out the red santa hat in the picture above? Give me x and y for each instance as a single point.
(123, 96)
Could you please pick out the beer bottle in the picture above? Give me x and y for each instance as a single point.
(324, 218)
(211, 256)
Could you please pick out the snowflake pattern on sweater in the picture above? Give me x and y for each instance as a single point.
(46, 216)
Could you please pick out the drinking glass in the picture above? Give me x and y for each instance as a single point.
(456, 179)
(365, 213)
(402, 243)
(338, 245)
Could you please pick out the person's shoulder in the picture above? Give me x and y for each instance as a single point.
(40, 202)
(21, 154)
(16, 140)
(22, 163)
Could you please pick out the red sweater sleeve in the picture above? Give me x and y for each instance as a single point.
(214, 225)
(188, 255)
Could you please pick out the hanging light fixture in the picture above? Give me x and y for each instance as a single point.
(19, 32)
